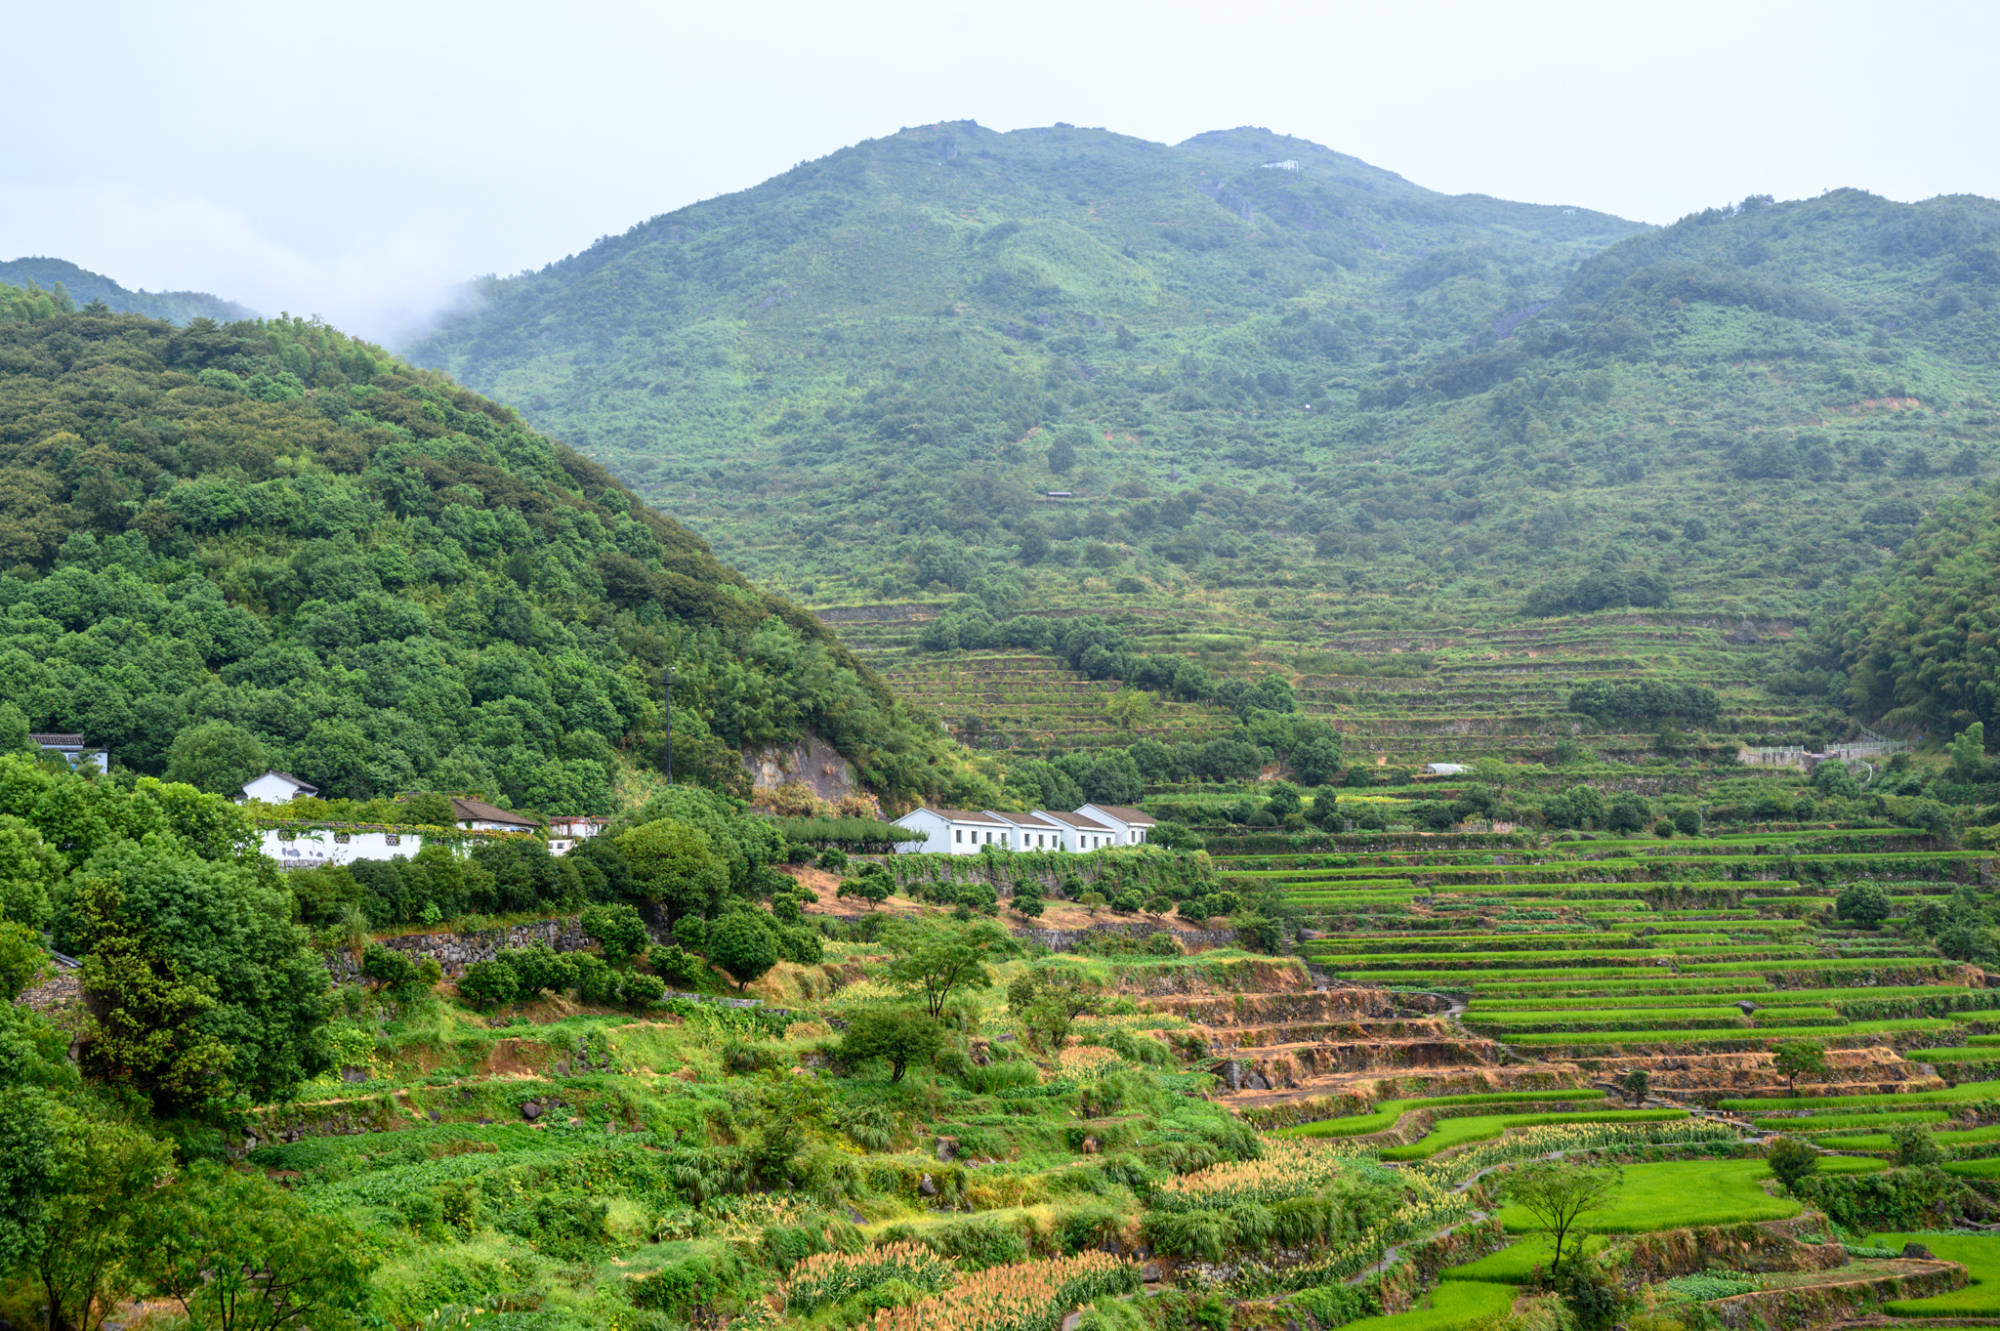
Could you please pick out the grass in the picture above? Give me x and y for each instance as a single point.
(1387, 1112)
(1514, 1264)
(1980, 1255)
(1949, 1096)
(1452, 1132)
(1452, 1305)
(1679, 1193)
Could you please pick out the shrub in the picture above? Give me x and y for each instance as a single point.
(488, 984)
(596, 983)
(640, 990)
(1865, 904)
(833, 859)
(540, 967)
(619, 930)
(393, 970)
(743, 945)
(1791, 1160)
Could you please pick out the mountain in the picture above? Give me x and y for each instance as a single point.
(271, 539)
(83, 286)
(1296, 407)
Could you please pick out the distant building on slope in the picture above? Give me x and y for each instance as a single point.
(274, 787)
(75, 751)
(479, 816)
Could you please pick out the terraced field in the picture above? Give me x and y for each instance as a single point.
(1451, 693)
(1691, 957)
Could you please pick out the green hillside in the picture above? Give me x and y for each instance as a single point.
(272, 542)
(1306, 412)
(83, 286)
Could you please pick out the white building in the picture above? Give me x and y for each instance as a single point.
(305, 847)
(1030, 831)
(1445, 769)
(1081, 835)
(1128, 826)
(74, 750)
(959, 832)
(274, 787)
(568, 831)
(953, 831)
(478, 816)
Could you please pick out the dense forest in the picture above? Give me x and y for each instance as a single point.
(81, 286)
(231, 546)
(1254, 365)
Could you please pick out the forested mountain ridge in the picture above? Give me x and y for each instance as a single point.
(83, 286)
(1293, 403)
(271, 542)
(1260, 363)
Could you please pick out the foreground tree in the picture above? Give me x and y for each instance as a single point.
(1558, 1194)
(743, 945)
(239, 1253)
(1865, 904)
(85, 1253)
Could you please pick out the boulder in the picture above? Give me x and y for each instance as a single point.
(947, 1148)
(354, 1074)
(531, 1110)
(1918, 1251)
(927, 1186)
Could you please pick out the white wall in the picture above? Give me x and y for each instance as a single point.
(311, 847)
(270, 789)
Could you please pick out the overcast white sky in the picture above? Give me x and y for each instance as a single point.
(357, 160)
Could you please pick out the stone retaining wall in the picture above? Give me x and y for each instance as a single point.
(455, 951)
(1066, 940)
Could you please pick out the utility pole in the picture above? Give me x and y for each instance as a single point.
(670, 725)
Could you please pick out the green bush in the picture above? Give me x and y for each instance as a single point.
(486, 985)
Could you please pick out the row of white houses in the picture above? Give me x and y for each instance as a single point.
(966, 832)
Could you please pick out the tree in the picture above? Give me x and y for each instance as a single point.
(620, 932)
(193, 969)
(429, 809)
(1798, 1058)
(1792, 1160)
(240, 1253)
(14, 730)
(1047, 1001)
(1557, 1194)
(1865, 904)
(1062, 454)
(1638, 1082)
(743, 945)
(934, 961)
(1968, 752)
(100, 1189)
(1628, 813)
(901, 1035)
(215, 756)
(676, 864)
(1914, 1145)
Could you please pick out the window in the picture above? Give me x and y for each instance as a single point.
(958, 834)
(394, 839)
(287, 834)
(340, 838)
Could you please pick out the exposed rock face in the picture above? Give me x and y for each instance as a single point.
(812, 763)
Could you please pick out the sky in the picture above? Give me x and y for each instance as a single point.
(360, 161)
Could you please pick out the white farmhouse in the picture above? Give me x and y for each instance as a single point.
(1081, 835)
(274, 787)
(953, 831)
(1445, 769)
(1030, 831)
(1128, 826)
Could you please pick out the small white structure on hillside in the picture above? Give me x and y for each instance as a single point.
(1446, 769)
(953, 831)
(568, 831)
(74, 750)
(1128, 826)
(274, 787)
(479, 816)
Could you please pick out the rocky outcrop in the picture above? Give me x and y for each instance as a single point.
(812, 763)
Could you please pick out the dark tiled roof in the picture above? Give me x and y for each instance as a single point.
(51, 740)
(966, 816)
(478, 811)
(1076, 820)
